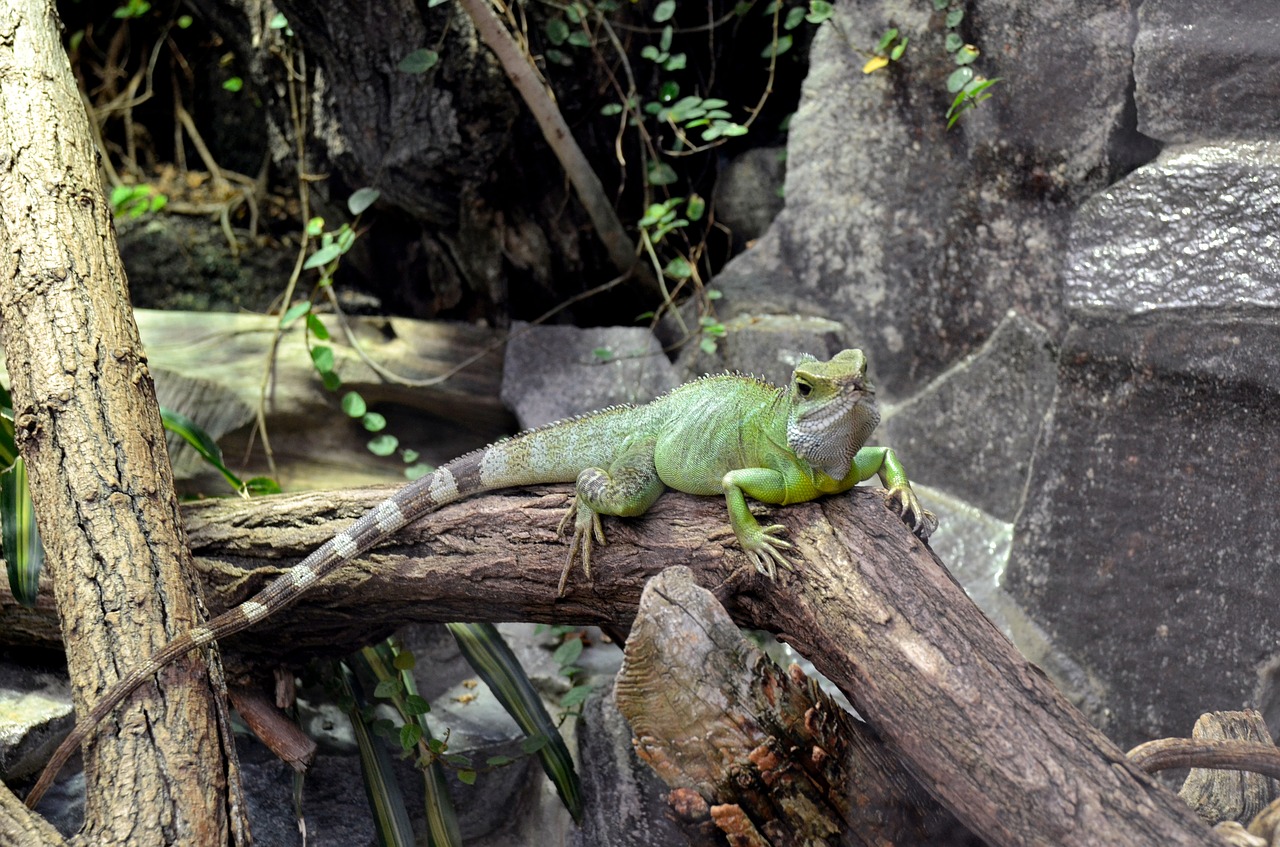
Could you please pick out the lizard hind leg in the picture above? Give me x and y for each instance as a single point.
(628, 488)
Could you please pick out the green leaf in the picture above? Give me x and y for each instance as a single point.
(383, 445)
(897, 51)
(467, 777)
(533, 743)
(954, 17)
(676, 62)
(939, 5)
(966, 55)
(294, 312)
(958, 79)
(493, 660)
(707, 345)
(886, 40)
(678, 268)
(233, 84)
(604, 354)
(660, 173)
(203, 443)
(419, 61)
(362, 199)
(498, 761)
(611, 109)
(668, 91)
(410, 735)
(568, 652)
(650, 52)
(782, 45)
(578, 38)
(954, 42)
(664, 41)
(388, 688)
(278, 21)
(795, 16)
(417, 471)
(819, 11)
(19, 535)
(696, 207)
(664, 11)
(557, 31)
(322, 357)
(374, 422)
(330, 380)
(575, 696)
(261, 486)
(317, 327)
(323, 256)
(415, 704)
(315, 226)
(185, 21)
(353, 404)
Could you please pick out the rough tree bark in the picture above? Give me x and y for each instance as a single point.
(88, 425)
(973, 721)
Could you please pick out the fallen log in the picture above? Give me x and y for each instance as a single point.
(980, 728)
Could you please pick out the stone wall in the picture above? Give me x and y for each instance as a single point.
(1074, 298)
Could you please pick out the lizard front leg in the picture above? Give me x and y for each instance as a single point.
(628, 488)
(760, 543)
(884, 462)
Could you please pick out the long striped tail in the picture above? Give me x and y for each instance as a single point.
(407, 504)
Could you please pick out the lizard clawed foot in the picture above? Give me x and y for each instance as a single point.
(902, 500)
(586, 526)
(765, 549)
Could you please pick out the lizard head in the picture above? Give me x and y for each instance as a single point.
(833, 411)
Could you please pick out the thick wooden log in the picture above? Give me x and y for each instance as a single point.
(980, 728)
(713, 714)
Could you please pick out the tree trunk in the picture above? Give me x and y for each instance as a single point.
(978, 726)
(89, 428)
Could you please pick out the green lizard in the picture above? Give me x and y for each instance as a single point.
(730, 434)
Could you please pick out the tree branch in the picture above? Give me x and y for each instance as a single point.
(974, 722)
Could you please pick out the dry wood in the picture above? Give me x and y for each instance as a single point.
(88, 426)
(712, 713)
(1234, 765)
(281, 734)
(978, 726)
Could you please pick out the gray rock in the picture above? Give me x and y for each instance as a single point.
(1207, 69)
(1194, 229)
(973, 430)
(748, 193)
(1147, 545)
(917, 239)
(556, 372)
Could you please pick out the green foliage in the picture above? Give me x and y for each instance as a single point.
(968, 86)
(131, 9)
(134, 201)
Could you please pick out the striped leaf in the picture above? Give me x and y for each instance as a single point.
(493, 660)
(23, 552)
(390, 815)
(380, 662)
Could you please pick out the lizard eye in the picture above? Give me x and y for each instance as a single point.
(803, 388)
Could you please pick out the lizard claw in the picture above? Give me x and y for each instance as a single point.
(765, 549)
(902, 500)
(586, 527)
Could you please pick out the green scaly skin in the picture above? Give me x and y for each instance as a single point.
(743, 437)
(732, 435)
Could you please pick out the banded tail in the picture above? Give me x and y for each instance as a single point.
(449, 483)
